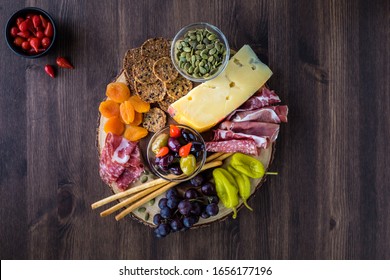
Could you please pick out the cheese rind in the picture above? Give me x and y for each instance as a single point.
(207, 104)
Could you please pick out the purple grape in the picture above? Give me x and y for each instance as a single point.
(157, 219)
(162, 203)
(214, 199)
(184, 207)
(212, 209)
(196, 208)
(204, 215)
(171, 193)
(166, 212)
(191, 193)
(173, 144)
(176, 224)
(189, 221)
(197, 180)
(163, 230)
(173, 202)
(208, 189)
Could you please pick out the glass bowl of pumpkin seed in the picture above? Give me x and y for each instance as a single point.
(200, 52)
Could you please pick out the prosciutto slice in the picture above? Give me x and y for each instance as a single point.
(232, 146)
(272, 114)
(221, 135)
(120, 161)
(269, 130)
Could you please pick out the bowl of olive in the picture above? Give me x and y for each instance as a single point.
(176, 153)
(200, 52)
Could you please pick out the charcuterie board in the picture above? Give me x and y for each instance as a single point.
(265, 157)
(236, 115)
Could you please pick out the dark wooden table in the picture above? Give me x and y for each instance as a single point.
(331, 66)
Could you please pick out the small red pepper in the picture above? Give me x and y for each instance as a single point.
(43, 21)
(35, 43)
(49, 70)
(36, 21)
(174, 131)
(49, 30)
(162, 151)
(64, 63)
(185, 150)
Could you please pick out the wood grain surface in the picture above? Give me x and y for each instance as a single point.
(330, 200)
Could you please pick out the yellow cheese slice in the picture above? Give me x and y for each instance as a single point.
(207, 104)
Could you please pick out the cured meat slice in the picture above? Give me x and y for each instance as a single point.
(272, 114)
(120, 161)
(263, 97)
(232, 146)
(270, 130)
(220, 135)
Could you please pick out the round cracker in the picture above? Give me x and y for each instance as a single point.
(154, 120)
(132, 56)
(130, 81)
(165, 103)
(179, 87)
(164, 70)
(150, 92)
(143, 71)
(156, 48)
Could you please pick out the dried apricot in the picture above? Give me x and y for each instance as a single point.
(139, 105)
(109, 109)
(127, 112)
(114, 125)
(137, 119)
(117, 91)
(135, 133)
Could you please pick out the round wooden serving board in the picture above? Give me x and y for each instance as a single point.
(266, 157)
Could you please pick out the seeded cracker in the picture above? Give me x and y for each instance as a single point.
(179, 87)
(131, 57)
(156, 48)
(151, 92)
(154, 120)
(164, 70)
(165, 103)
(143, 71)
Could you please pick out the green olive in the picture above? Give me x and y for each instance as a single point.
(188, 164)
(159, 142)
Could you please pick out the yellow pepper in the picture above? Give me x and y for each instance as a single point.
(247, 165)
(244, 185)
(226, 188)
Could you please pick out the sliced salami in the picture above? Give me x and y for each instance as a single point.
(120, 161)
(220, 135)
(232, 146)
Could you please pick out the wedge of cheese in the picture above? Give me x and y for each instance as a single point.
(207, 104)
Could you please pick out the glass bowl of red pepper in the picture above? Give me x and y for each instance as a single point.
(30, 32)
(176, 153)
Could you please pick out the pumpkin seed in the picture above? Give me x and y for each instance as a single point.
(152, 201)
(211, 37)
(202, 70)
(210, 46)
(147, 216)
(200, 47)
(212, 51)
(144, 179)
(187, 49)
(141, 209)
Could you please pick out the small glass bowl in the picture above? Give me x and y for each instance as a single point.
(180, 35)
(11, 22)
(151, 156)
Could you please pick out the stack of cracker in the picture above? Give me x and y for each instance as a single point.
(151, 75)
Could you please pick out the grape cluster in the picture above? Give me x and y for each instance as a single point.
(181, 212)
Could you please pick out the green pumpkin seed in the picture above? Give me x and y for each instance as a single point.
(210, 46)
(141, 209)
(202, 70)
(187, 49)
(211, 37)
(200, 47)
(147, 216)
(204, 56)
(152, 201)
(212, 51)
(144, 179)
(190, 70)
